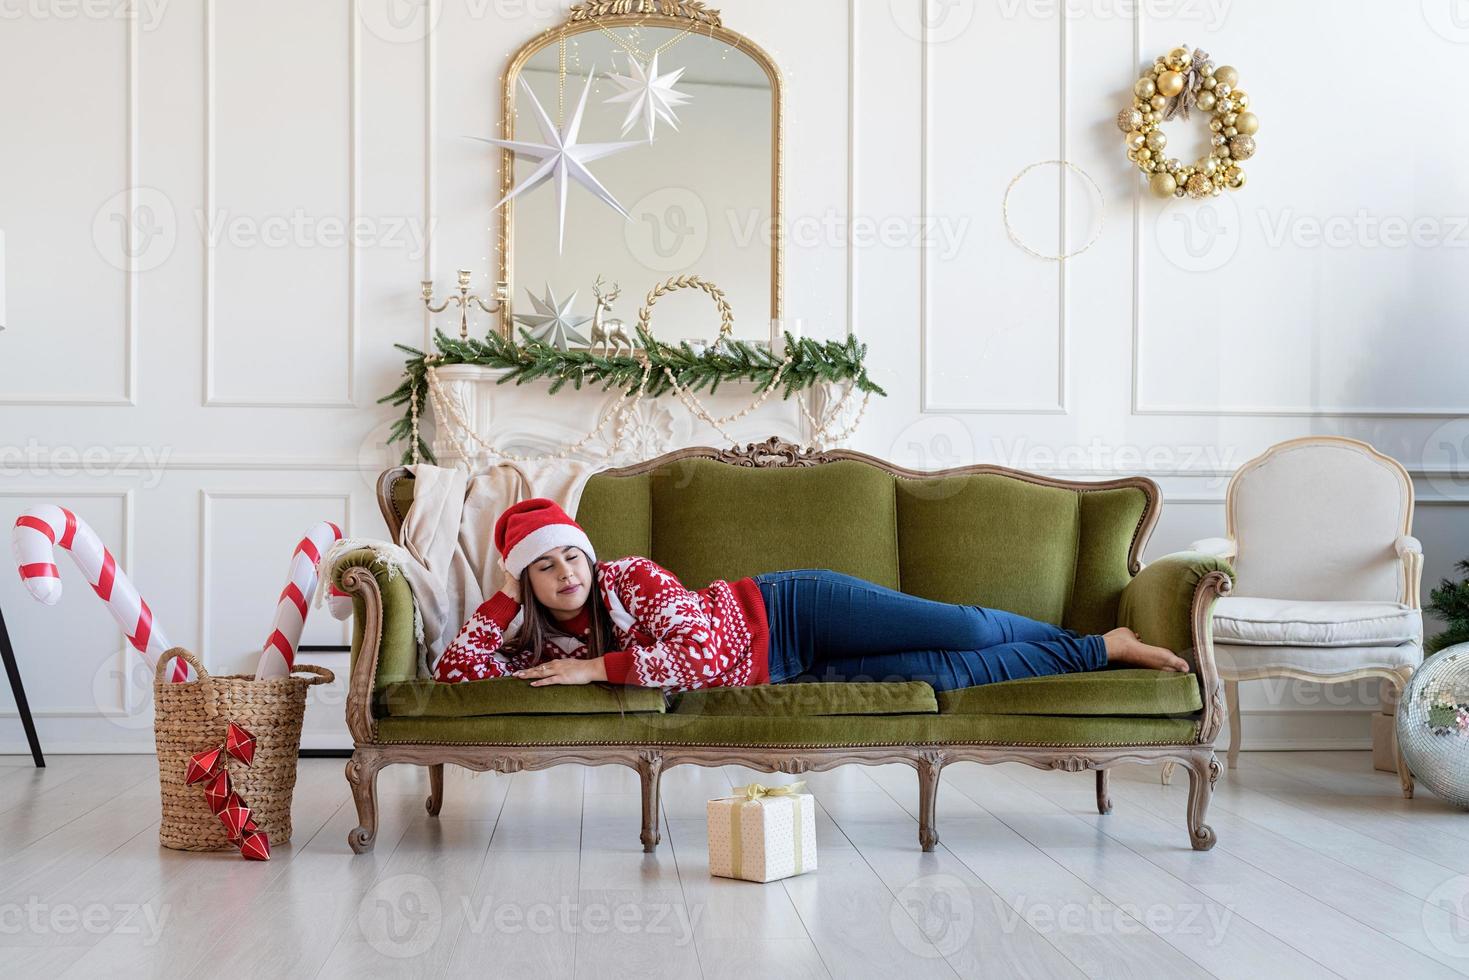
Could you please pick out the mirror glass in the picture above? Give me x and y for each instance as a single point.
(702, 195)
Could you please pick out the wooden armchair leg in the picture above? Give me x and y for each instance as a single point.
(362, 770)
(1104, 796)
(435, 801)
(1236, 734)
(1405, 775)
(1203, 772)
(650, 772)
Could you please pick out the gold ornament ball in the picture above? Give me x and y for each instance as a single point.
(1179, 55)
(1247, 123)
(1136, 141)
(1236, 177)
(1157, 140)
(1242, 147)
(1226, 75)
(1240, 99)
(1170, 83)
(1144, 88)
(1158, 102)
(1129, 119)
(1198, 186)
(1209, 82)
(1206, 101)
(1162, 185)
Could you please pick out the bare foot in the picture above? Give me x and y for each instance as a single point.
(1124, 647)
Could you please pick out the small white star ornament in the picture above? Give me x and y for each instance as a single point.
(563, 159)
(554, 320)
(648, 94)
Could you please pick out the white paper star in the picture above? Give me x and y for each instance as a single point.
(562, 157)
(648, 94)
(555, 321)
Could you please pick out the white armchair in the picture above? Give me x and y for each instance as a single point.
(1327, 572)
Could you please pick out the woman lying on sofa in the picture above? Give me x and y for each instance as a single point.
(629, 621)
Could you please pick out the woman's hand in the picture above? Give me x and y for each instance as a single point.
(564, 670)
(511, 587)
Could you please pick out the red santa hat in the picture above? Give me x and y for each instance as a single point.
(532, 527)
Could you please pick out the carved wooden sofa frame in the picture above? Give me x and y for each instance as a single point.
(650, 761)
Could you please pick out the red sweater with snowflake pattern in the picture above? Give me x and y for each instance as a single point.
(667, 636)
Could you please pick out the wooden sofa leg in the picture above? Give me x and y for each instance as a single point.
(362, 771)
(930, 765)
(1104, 796)
(650, 772)
(435, 801)
(1203, 772)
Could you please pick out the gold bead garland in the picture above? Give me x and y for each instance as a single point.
(1176, 82)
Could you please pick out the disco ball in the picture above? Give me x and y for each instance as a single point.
(1433, 724)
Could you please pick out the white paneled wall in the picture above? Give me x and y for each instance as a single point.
(216, 215)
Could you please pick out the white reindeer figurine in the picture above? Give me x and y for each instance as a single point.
(610, 333)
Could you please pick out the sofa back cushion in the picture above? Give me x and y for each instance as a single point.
(703, 519)
(1051, 553)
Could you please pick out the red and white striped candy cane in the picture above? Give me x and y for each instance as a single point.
(278, 656)
(39, 532)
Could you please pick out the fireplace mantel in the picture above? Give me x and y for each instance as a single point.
(521, 418)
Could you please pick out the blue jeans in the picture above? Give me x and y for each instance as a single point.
(840, 628)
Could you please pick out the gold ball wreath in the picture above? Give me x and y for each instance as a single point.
(1178, 82)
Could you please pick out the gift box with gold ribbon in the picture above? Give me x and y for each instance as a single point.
(762, 833)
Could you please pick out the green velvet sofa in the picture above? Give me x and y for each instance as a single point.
(1065, 552)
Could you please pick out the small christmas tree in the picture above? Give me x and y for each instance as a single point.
(1450, 602)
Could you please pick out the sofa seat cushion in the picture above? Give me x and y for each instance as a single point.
(1251, 621)
(512, 696)
(1116, 692)
(653, 728)
(809, 700)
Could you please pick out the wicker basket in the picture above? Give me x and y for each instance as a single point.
(192, 717)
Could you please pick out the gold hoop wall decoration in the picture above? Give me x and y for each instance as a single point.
(726, 314)
(1177, 82)
(1010, 230)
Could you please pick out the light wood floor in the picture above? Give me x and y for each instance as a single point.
(1321, 869)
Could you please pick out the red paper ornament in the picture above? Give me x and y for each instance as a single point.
(255, 846)
(239, 743)
(234, 815)
(217, 791)
(202, 766)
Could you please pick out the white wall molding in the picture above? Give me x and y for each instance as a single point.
(1060, 404)
(129, 396)
(206, 549)
(354, 184)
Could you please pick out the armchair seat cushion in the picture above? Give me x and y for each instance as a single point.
(1244, 662)
(1251, 621)
(512, 696)
(1116, 692)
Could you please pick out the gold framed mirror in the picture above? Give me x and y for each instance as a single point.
(704, 196)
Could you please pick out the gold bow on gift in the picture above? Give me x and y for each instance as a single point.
(753, 793)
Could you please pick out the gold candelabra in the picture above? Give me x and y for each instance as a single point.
(464, 299)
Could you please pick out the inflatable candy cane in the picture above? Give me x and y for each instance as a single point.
(279, 654)
(39, 532)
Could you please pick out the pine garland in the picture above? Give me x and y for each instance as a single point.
(812, 362)
(1451, 604)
